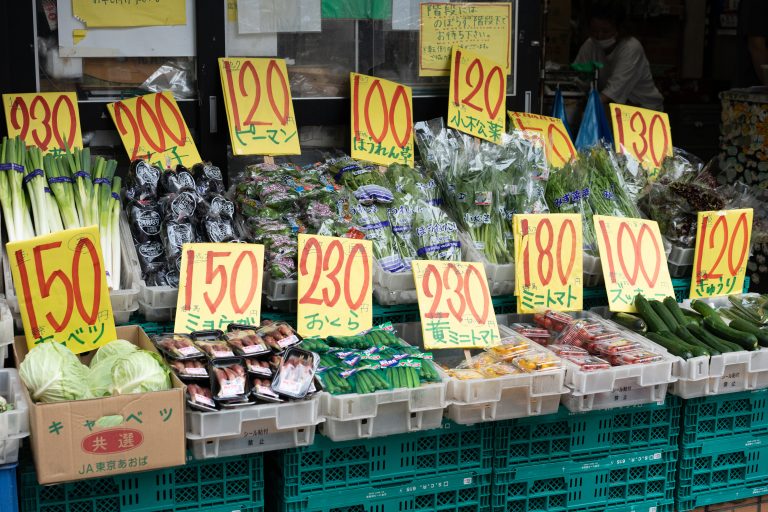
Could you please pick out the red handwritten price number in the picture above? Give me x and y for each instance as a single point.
(551, 130)
(382, 120)
(643, 134)
(257, 96)
(548, 262)
(219, 284)
(49, 120)
(153, 129)
(334, 286)
(62, 289)
(477, 95)
(633, 260)
(454, 304)
(722, 250)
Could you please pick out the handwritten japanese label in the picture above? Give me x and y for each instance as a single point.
(153, 129)
(382, 120)
(62, 289)
(722, 250)
(130, 13)
(219, 284)
(548, 262)
(454, 305)
(477, 95)
(257, 96)
(485, 28)
(334, 286)
(633, 261)
(48, 120)
(551, 131)
(643, 134)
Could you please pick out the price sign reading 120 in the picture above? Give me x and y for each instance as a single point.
(153, 129)
(219, 284)
(722, 250)
(48, 120)
(643, 134)
(335, 287)
(548, 262)
(62, 289)
(257, 96)
(633, 260)
(454, 305)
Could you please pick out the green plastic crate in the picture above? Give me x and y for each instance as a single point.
(615, 483)
(567, 435)
(465, 491)
(214, 485)
(397, 314)
(717, 416)
(327, 465)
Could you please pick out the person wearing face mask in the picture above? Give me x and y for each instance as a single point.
(626, 75)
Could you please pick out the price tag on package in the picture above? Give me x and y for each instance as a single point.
(722, 251)
(548, 262)
(643, 134)
(382, 120)
(633, 260)
(257, 96)
(62, 289)
(454, 305)
(153, 129)
(48, 120)
(335, 289)
(477, 96)
(551, 131)
(219, 284)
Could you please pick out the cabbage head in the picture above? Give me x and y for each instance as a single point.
(113, 348)
(100, 377)
(140, 372)
(52, 373)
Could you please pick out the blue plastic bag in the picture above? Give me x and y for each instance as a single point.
(594, 125)
(558, 111)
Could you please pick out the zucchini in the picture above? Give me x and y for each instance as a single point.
(717, 327)
(672, 346)
(686, 335)
(745, 326)
(664, 314)
(706, 310)
(707, 337)
(630, 321)
(692, 315)
(674, 309)
(652, 320)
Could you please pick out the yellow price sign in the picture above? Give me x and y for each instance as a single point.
(643, 134)
(722, 250)
(139, 13)
(382, 120)
(454, 305)
(48, 120)
(153, 129)
(61, 284)
(334, 286)
(476, 96)
(219, 284)
(551, 131)
(259, 107)
(633, 260)
(548, 262)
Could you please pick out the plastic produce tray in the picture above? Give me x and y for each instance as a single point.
(328, 465)
(220, 485)
(637, 480)
(258, 428)
(713, 417)
(391, 288)
(14, 424)
(680, 261)
(567, 435)
(501, 277)
(501, 398)
(592, 269)
(618, 386)
(9, 498)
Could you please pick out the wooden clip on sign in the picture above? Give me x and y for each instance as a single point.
(48, 120)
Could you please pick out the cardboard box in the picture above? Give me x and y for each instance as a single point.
(68, 445)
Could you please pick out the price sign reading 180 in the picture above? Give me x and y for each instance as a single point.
(48, 120)
(643, 134)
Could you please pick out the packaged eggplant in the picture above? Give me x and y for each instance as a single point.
(244, 340)
(208, 178)
(213, 343)
(200, 398)
(190, 368)
(180, 206)
(174, 235)
(174, 181)
(261, 389)
(258, 367)
(229, 381)
(296, 373)
(144, 218)
(141, 180)
(177, 346)
(214, 229)
(151, 256)
(278, 336)
(217, 206)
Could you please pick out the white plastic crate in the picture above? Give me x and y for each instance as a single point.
(390, 288)
(258, 428)
(592, 270)
(387, 297)
(680, 260)
(14, 424)
(494, 399)
(618, 386)
(501, 277)
(280, 289)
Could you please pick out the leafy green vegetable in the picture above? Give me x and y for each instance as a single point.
(140, 372)
(111, 349)
(52, 373)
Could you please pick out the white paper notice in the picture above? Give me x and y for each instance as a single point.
(260, 16)
(406, 13)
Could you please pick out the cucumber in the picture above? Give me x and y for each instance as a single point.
(706, 310)
(664, 314)
(709, 338)
(674, 309)
(631, 322)
(652, 320)
(744, 326)
(717, 327)
(672, 346)
(684, 333)
(692, 315)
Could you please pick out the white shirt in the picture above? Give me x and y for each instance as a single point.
(626, 75)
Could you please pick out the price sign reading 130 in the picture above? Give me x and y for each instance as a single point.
(643, 134)
(334, 286)
(219, 284)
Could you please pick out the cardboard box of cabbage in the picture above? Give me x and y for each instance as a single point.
(112, 411)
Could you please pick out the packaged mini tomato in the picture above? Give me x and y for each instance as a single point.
(641, 356)
(529, 330)
(510, 348)
(296, 372)
(613, 347)
(567, 350)
(588, 363)
(599, 333)
(536, 362)
(572, 334)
